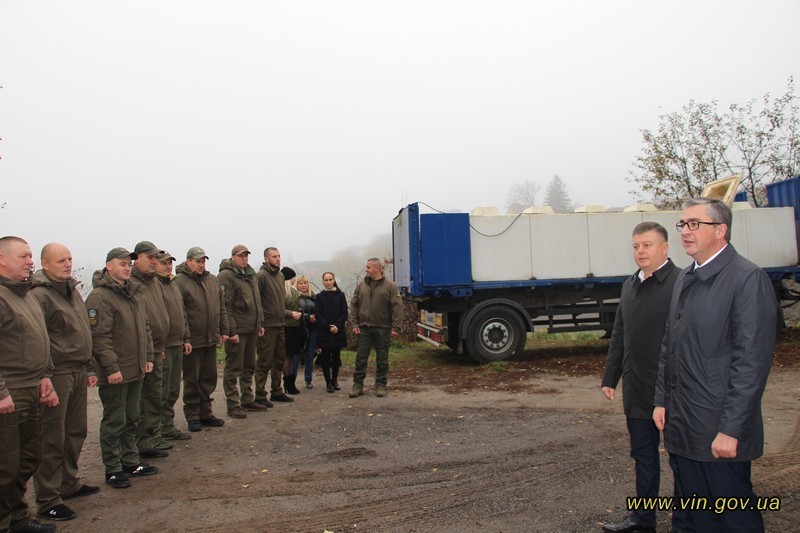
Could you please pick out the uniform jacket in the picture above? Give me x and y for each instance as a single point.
(270, 286)
(330, 308)
(203, 299)
(152, 292)
(178, 326)
(380, 307)
(242, 297)
(716, 356)
(24, 346)
(121, 340)
(636, 339)
(67, 323)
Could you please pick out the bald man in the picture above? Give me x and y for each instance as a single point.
(63, 427)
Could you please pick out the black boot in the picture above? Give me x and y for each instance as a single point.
(329, 385)
(335, 377)
(289, 384)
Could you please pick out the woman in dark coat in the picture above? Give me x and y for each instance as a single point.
(331, 313)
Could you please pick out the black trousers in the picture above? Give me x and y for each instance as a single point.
(713, 481)
(645, 438)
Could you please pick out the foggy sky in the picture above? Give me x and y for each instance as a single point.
(309, 124)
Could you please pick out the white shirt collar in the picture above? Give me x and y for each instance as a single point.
(696, 266)
(641, 272)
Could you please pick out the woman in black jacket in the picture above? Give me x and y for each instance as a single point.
(331, 314)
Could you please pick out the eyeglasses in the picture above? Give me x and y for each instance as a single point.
(694, 225)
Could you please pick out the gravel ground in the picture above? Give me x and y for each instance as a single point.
(531, 446)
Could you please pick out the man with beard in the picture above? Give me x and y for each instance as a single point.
(272, 346)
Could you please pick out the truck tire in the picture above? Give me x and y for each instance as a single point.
(495, 334)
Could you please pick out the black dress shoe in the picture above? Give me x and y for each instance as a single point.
(629, 525)
(58, 512)
(85, 490)
(118, 480)
(34, 526)
(152, 453)
(142, 469)
(212, 421)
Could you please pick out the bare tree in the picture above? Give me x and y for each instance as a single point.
(348, 265)
(521, 196)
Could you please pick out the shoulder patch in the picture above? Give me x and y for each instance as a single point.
(92, 317)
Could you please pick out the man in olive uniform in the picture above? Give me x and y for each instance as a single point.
(63, 427)
(122, 348)
(272, 346)
(177, 346)
(246, 325)
(208, 322)
(25, 370)
(377, 309)
(149, 440)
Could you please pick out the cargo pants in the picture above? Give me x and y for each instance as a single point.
(19, 455)
(240, 363)
(271, 356)
(63, 434)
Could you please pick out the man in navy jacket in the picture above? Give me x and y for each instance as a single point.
(715, 359)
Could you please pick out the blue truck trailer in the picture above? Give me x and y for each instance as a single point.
(482, 281)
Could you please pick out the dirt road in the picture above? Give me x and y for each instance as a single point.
(458, 448)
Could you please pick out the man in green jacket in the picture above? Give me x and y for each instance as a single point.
(63, 427)
(377, 309)
(123, 349)
(246, 324)
(208, 322)
(177, 346)
(148, 432)
(25, 370)
(272, 346)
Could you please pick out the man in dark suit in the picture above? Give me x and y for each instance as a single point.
(714, 362)
(633, 356)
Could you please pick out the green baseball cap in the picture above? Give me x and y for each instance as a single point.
(195, 252)
(146, 247)
(120, 253)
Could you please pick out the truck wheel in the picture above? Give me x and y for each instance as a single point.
(495, 334)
